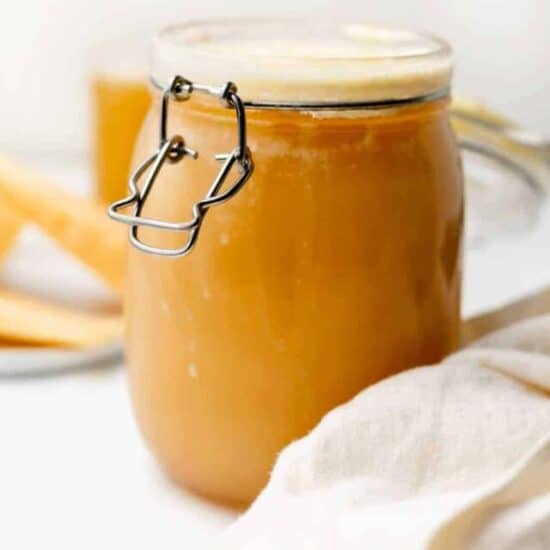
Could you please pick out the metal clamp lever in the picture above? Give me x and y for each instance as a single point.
(173, 150)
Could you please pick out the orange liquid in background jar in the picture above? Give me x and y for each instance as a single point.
(336, 265)
(119, 107)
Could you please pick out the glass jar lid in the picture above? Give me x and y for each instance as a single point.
(300, 60)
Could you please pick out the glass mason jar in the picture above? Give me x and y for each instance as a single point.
(330, 245)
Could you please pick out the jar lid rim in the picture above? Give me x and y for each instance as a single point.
(294, 59)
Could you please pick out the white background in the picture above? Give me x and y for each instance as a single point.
(502, 52)
(74, 472)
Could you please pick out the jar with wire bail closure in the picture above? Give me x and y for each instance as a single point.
(331, 253)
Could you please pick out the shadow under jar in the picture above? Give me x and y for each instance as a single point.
(336, 263)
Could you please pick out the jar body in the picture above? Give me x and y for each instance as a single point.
(336, 265)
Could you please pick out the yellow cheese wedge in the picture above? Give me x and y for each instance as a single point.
(79, 225)
(32, 321)
(10, 225)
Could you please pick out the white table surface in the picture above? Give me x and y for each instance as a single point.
(74, 472)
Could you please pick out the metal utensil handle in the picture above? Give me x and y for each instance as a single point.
(173, 150)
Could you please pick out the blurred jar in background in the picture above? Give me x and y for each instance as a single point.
(120, 99)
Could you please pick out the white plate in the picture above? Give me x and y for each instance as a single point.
(24, 361)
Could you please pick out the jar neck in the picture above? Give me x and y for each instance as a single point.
(257, 110)
(199, 107)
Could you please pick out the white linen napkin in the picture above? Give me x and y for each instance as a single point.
(446, 457)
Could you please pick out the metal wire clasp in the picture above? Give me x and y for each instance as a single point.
(173, 150)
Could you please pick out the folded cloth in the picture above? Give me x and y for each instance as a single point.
(446, 457)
